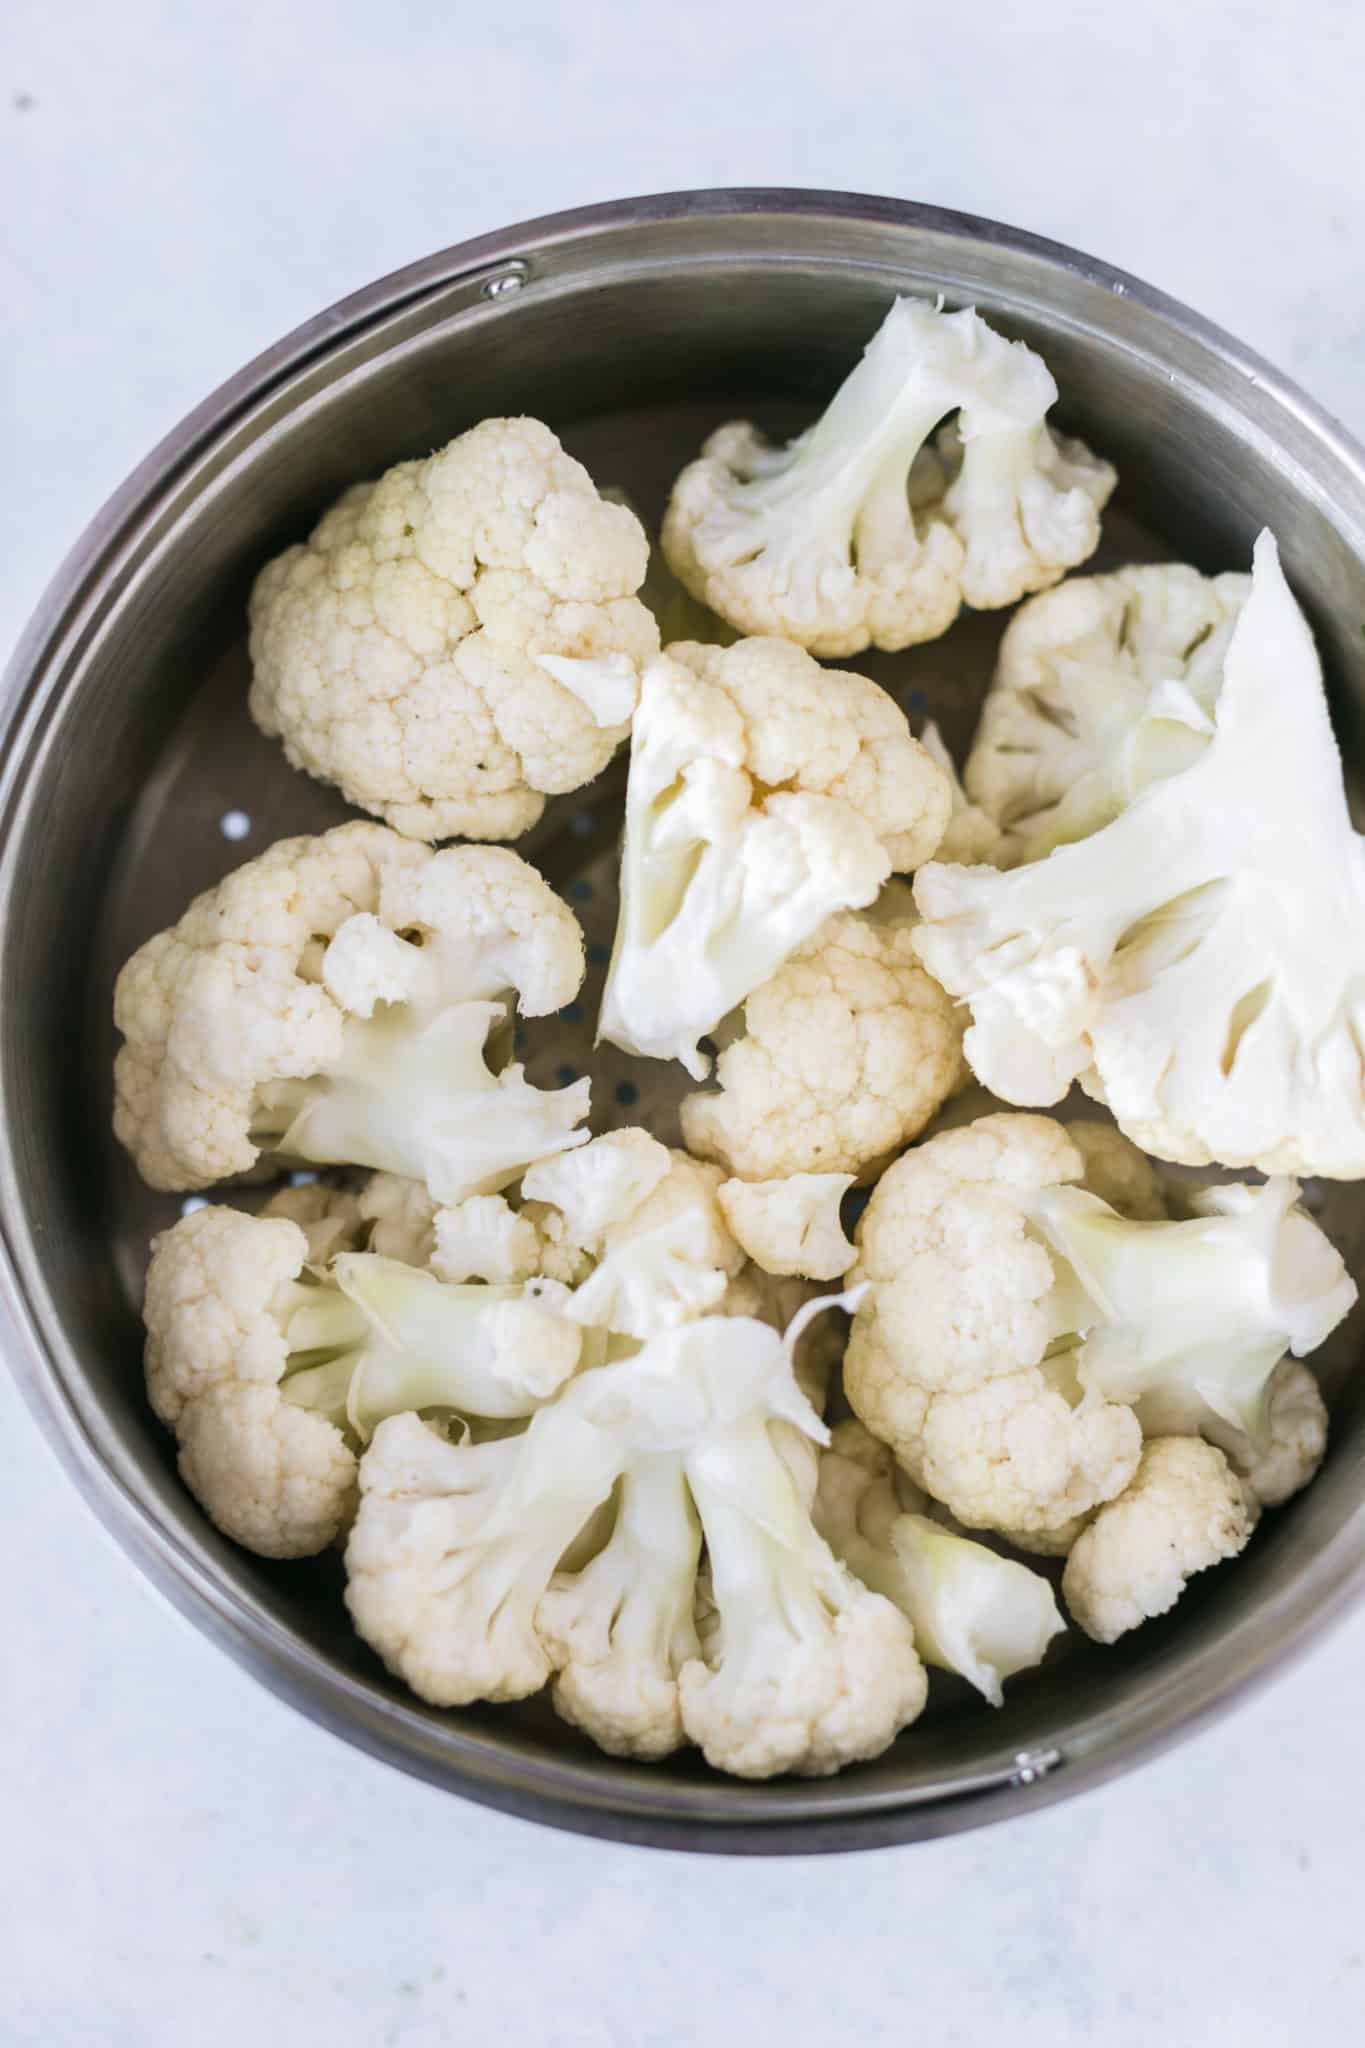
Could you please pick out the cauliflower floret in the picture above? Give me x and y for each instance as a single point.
(1103, 685)
(846, 1053)
(980, 1615)
(221, 1290)
(665, 1261)
(1198, 964)
(270, 1375)
(484, 1238)
(760, 801)
(791, 1226)
(1287, 1452)
(459, 640)
(1184, 1511)
(946, 1361)
(332, 1001)
(972, 834)
(1020, 1332)
(860, 532)
(1117, 1172)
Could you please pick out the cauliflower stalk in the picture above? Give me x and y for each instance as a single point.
(1198, 964)
(338, 1000)
(271, 1376)
(982, 1616)
(452, 1564)
(1020, 1333)
(459, 640)
(759, 802)
(1103, 686)
(863, 531)
(845, 1055)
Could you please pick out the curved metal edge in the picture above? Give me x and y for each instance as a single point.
(164, 1564)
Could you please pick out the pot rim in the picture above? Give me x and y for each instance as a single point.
(596, 1796)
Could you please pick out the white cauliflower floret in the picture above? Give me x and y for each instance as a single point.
(846, 1053)
(1103, 686)
(946, 1362)
(791, 1226)
(972, 834)
(1019, 1330)
(270, 1376)
(333, 1000)
(221, 1290)
(980, 1615)
(1184, 1511)
(459, 640)
(1197, 964)
(760, 801)
(665, 1261)
(484, 1238)
(862, 531)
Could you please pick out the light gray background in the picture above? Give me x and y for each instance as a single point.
(185, 1864)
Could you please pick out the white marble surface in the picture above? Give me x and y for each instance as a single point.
(184, 1863)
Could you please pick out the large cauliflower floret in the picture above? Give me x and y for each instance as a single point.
(983, 1616)
(947, 1361)
(1020, 1331)
(1198, 964)
(863, 531)
(459, 640)
(334, 1001)
(272, 1371)
(1103, 686)
(1184, 1511)
(846, 1053)
(452, 1564)
(760, 801)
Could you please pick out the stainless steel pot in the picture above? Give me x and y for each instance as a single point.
(631, 328)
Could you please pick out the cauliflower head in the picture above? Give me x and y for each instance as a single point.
(273, 1368)
(760, 801)
(460, 640)
(334, 1001)
(867, 530)
(1198, 964)
(846, 1053)
(1103, 686)
(1184, 1511)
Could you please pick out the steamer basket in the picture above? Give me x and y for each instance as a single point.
(632, 329)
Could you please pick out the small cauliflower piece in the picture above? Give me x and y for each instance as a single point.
(972, 835)
(1198, 964)
(948, 1357)
(982, 1616)
(334, 1001)
(760, 801)
(1291, 1444)
(1103, 686)
(484, 1238)
(846, 1053)
(1184, 1511)
(665, 1261)
(791, 1226)
(459, 640)
(864, 531)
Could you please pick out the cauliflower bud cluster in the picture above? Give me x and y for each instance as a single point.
(562, 1398)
